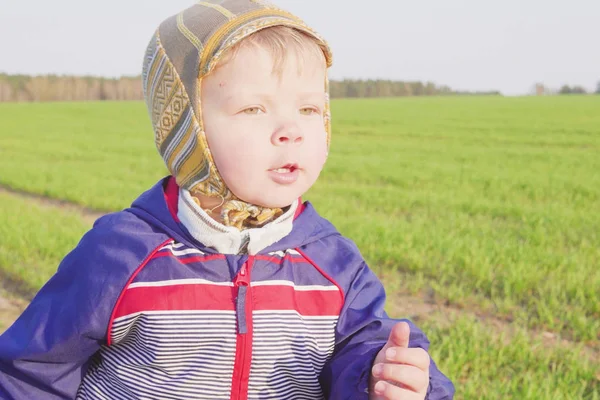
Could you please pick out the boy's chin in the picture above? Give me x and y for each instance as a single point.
(278, 203)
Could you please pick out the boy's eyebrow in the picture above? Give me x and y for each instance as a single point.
(320, 95)
(267, 96)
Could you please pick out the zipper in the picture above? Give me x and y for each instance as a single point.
(242, 283)
(243, 351)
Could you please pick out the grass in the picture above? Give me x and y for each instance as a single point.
(100, 155)
(491, 204)
(34, 240)
(489, 365)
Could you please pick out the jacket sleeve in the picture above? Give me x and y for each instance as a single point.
(46, 352)
(362, 330)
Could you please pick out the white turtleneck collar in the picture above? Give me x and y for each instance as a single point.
(228, 239)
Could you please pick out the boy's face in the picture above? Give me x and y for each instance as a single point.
(266, 130)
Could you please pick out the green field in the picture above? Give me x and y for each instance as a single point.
(487, 207)
(34, 240)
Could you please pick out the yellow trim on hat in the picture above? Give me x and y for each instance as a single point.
(262, 3)
(219, 8)
(187, 33)
(230, 26)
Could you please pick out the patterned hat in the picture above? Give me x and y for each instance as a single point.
(185, 48)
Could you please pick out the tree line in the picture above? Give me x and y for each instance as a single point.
(541, 89)
(387, 88)
(24, 88)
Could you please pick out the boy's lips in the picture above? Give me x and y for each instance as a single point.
(290, 167)
(286, 174)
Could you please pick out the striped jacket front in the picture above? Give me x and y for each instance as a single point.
(183, 326)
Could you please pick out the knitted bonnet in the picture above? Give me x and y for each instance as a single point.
(184, 49)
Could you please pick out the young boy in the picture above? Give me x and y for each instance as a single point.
(218, 283)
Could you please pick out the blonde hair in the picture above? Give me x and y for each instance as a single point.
(279, 41)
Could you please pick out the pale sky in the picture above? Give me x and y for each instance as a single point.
(466, 44)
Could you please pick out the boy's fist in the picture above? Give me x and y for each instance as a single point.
(399, 372)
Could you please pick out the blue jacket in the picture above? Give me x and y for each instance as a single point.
(140, 309)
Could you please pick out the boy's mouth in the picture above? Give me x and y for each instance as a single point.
(286, 174)
(286, 168)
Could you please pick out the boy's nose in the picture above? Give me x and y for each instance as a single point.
(287, 134)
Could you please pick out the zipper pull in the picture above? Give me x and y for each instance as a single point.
(242, 277)
(241, 282)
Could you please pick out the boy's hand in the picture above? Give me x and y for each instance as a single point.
(399, 372)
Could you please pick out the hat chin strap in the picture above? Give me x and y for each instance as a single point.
(238, 213)
(242, 215)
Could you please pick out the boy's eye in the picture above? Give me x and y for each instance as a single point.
(252, 110)
(309, 111)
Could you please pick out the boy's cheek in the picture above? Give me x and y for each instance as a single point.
(321, 157)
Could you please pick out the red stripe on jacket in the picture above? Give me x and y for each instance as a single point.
(212, 297)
